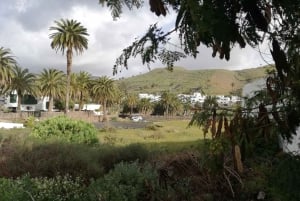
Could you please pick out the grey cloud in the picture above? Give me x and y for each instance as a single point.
(39, 13)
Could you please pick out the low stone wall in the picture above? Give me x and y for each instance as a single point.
(79, 115)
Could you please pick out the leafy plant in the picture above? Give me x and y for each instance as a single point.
(66, 129)
(30, 122)
(285, 179)
(127, 181)
(60, 188)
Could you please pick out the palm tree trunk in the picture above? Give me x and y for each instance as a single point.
(167, 110)
(69, 66)
(19, 102)
(104, 111)
(131, 109)
(80, 101)
(50, 107)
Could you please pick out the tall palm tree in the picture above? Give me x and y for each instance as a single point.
(50, 82)
(22, 82)
(103, 89)
(69, 36)
(7, 62)
(73, 91)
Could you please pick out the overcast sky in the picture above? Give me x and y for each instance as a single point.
(25, 31)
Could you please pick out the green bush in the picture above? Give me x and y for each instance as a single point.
(60, 188)
(30, 122)
(285, 178)
(126, 182)
(66, 129)
(109, 155)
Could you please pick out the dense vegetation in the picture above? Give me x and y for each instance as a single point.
(164, 161)
(66, 129)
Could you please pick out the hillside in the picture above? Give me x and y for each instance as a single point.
(181, 80)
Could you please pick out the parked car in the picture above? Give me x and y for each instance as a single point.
(137, 118)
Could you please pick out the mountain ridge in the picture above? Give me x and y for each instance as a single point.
(182, 80)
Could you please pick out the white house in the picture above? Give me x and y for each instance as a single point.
(197, 97)
(151, 97)
(223, 100)
(29, 102)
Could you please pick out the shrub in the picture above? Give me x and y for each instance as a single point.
(127, 181)
(66, 129)
(135, 182)
(285, 178)
(50, 159)
(60, 188)
(111, 155)
(30, 122)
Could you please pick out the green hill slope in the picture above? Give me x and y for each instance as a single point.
(181, 80)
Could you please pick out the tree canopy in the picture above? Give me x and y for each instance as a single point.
(222, 25)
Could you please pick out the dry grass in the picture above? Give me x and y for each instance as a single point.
(159, 132)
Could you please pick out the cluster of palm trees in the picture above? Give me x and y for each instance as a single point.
(69, 36)
(52, 83)
(169, 104)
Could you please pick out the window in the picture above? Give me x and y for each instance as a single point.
(28, 100)
(13, 98)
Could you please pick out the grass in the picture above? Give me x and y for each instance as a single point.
(21, 154)
(174, 134)
(165, 134)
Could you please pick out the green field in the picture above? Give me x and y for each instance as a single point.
(166, 136)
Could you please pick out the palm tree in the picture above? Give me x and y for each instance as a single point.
(210, 102)
(166, 99)
(132, 100)
(80, 86)
(103, 89)
(7, 62)
(69, 36)
(145, 105)
(22, 82)
(73, 91)
(170, 102)
(50, 82)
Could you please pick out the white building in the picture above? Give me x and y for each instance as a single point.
(151, 97)
(235, 99)
(197, 97)
(223, 100)
(193, 99)
(29, 102)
